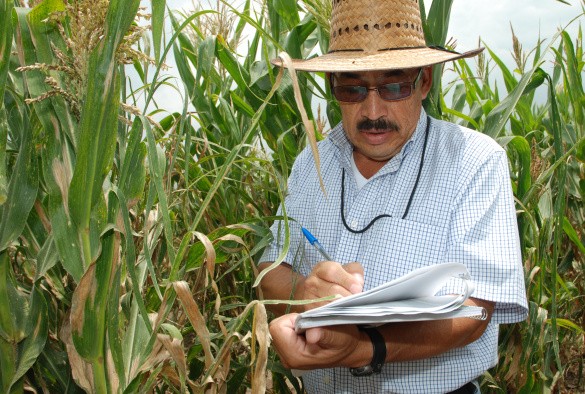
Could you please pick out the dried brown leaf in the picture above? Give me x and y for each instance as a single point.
(309, 126)
(196, 318)
(175, 349)
(80, 369)
(262, 335)
(86, 290)
(210, 255)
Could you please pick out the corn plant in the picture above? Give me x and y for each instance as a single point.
(105, 288)
(545, 143)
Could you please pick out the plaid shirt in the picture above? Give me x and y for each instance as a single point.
(462, 210)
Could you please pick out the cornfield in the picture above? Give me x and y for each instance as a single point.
(130, 234)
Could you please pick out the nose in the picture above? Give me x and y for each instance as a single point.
(373, 107)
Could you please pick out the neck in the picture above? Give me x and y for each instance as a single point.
(367, 167)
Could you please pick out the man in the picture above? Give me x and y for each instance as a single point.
(403, 191)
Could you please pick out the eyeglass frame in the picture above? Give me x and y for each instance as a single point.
(376, 88)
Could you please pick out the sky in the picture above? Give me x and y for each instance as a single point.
(489, 20)
(530, 19)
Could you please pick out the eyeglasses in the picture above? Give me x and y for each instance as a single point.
(389, 92)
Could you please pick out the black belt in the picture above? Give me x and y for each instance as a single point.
(468, 388)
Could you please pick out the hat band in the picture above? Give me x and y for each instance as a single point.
(383, 49)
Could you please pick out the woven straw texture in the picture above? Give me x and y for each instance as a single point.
(371, 26)
(368, 35)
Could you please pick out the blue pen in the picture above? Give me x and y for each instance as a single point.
(315, 242)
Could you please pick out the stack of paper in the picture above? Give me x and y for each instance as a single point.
(411, 297)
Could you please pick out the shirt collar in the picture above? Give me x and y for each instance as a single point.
(339, 139)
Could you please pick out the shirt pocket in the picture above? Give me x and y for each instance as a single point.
(394, 247)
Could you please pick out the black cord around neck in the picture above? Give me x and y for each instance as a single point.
(420, 167)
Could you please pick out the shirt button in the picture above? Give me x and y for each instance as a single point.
(327, 379)
(354, 224)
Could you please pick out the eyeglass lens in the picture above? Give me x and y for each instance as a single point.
(391, 91)
(388, 92)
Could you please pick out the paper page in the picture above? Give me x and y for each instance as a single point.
(474, 312)
(423, 282)
(408, 298)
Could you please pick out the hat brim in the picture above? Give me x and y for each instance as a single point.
(348, 61)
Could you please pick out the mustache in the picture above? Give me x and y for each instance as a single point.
(378, 124)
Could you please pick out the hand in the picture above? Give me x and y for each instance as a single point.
(330, 278)
(322, 347)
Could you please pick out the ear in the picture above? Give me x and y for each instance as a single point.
(427, 81)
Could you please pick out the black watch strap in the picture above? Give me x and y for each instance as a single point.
(379, 357)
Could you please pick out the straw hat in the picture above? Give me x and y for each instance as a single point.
(369, 35)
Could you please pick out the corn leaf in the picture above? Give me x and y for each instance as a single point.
(11, 317)
(436, 26)
(7, 364)
(522, 148)
(47, 257)
(66, 235)
(574, 67)
(499, 116)
(288, 11)
(573, 236)
(98, 125)
(44, 36)
(22, 191)
(158, 24)
(6, 34)
(38, 329)
(6, 37)
(437, 21)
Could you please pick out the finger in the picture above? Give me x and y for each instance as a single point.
(314, 335)
(335, 274)
(357, 271)
(285, 339)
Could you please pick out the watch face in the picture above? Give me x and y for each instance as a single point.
(366, 370)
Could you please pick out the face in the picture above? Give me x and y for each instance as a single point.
(378, 129)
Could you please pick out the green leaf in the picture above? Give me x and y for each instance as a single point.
(499, 116)
(298, 37)
(522, 149)
(67, 241)
(580, 151)
(158, 23)
(6, 34)
(240, 75)
(9, 297)
(573, 236)
(537, 80)
(40, 14)
(574, 68)
(47, 258)
(437, 22)
(3, 142)
(90, 302)
(22, 191)
(133, 174)
(509, 79)
(30, 349)
(288, 11)
(206, 57)
(7, 364)
(99, 119)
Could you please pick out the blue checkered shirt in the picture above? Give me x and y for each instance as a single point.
(462, 211)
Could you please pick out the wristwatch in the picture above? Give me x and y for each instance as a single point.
(379, 357)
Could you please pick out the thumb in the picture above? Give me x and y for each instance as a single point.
(357, 271)
(314, 335)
